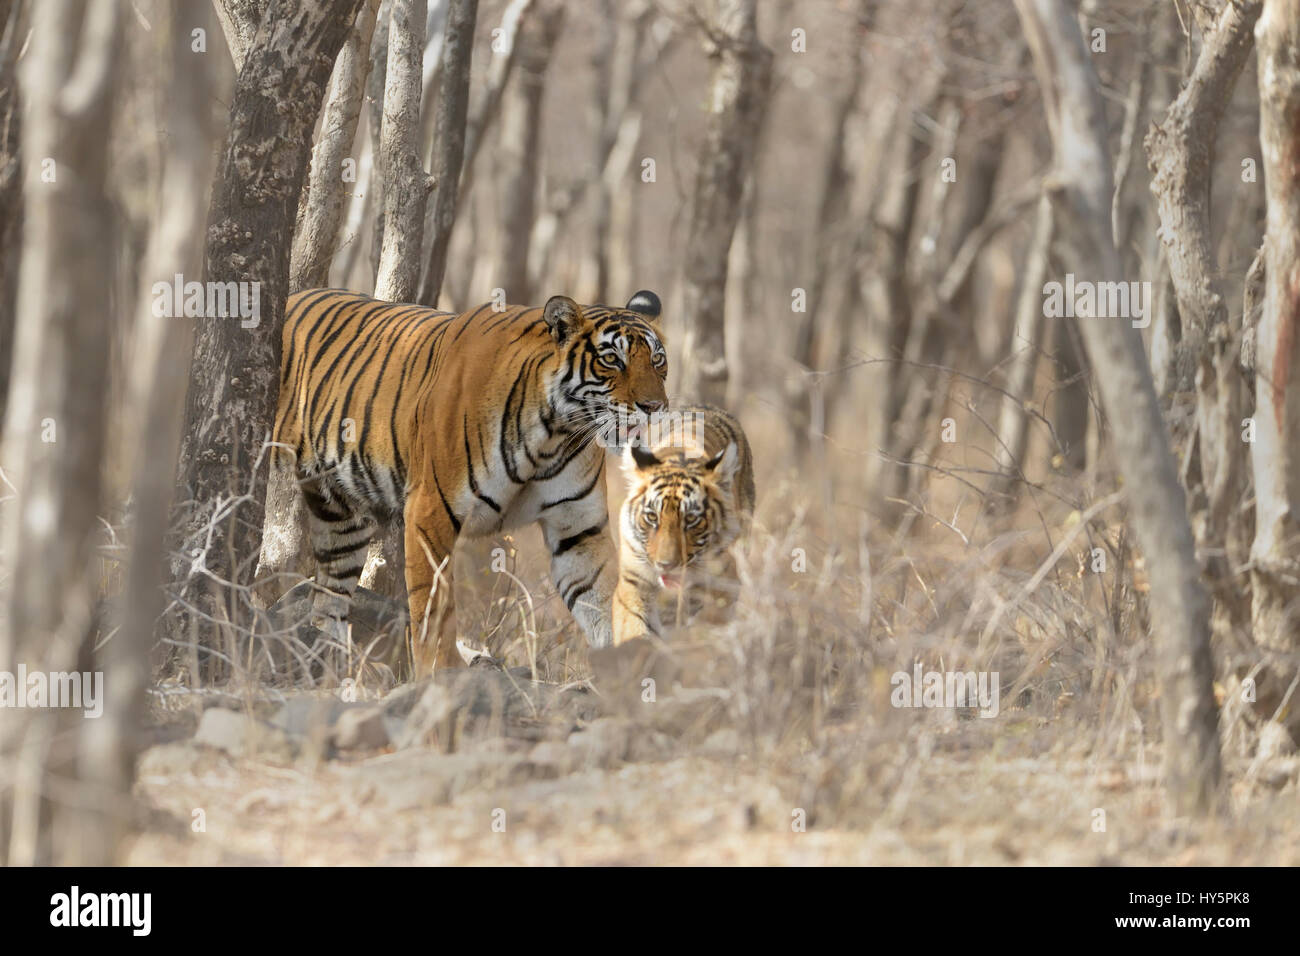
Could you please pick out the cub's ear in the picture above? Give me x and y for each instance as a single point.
(646, 303)
(637, 457)
(563, 317)
(723, 464)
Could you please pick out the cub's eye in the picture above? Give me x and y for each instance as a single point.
(610, 360)
(694, 520)
(650, 517)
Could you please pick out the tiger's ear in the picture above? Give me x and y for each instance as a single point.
(723, 465)
(637, 458)
(563, 317)
(646, 303)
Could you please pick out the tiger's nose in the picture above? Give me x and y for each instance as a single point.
(651, 406)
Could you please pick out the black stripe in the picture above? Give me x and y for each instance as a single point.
(455, 522)
(571, 598)
(567, 544)
(469, 470)
(577, 496)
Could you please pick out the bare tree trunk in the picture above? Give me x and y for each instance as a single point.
(521, 139)
(837, 180)
(618, 76)
(239, 21)
(449, 142)
(961, 222)
(320, 210)
(1026, 344)
(236, 367)
(54, 437)
(742, 73)
(883, 252)
(1276, 452)
(1081, 192)
(161, 373)
(376, 83)
(11, 184)
(1180, 149)
(406, 187)
(1070, 406)
(483, 111)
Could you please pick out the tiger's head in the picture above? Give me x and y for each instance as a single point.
(678, 508)
(612, 363)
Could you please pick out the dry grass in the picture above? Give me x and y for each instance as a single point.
(833, 604)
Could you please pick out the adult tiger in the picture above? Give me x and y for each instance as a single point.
(464, 424)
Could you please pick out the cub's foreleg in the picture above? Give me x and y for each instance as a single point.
(636, 610)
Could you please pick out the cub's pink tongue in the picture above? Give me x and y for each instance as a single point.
(670, 580)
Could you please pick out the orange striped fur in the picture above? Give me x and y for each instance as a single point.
(690, 497)
(462, 424)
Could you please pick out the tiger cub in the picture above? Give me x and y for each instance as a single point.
(690, 497)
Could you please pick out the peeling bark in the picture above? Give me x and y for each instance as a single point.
(232, 394)
(1180, 150)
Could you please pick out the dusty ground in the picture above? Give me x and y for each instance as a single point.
(472, 770)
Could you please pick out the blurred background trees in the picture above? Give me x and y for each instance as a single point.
(851, 209)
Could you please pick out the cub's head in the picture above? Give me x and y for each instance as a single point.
(678, 508)
(613, 362)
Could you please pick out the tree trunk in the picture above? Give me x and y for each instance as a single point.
(11, 184)
(1179, 153)
(449, 142)
(239, 22)
(1081, 193)
(882, 251)
(742, 74)
(160, 375)
(406, 187)
(320, 211)
(236, 367)
(837, 179)
(54, 437)
(1276, 451)
(619, 72)
(521, 141)
(1026, 344)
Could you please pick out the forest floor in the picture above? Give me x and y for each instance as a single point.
(483, 766)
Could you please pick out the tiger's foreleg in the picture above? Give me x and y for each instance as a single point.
(584, 566)
(431, 532)
(636, 609)
(340, 537)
